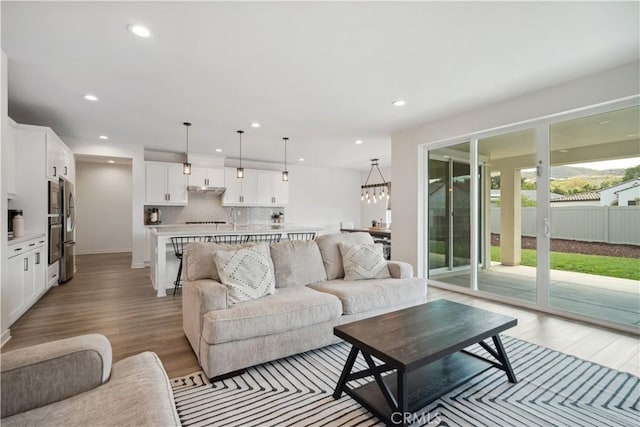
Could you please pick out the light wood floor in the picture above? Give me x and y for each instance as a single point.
(109, 298)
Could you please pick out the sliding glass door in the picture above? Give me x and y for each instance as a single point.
(449, 207)
(551, 219)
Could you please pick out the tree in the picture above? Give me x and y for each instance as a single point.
(631, 173)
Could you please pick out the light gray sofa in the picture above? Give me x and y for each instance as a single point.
(312, 297)
(71, 382)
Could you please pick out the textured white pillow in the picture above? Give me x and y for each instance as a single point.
(363, 261)
(248, 272)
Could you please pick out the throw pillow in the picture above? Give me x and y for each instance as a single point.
(363, 261)
(247, 273)
(331, 257)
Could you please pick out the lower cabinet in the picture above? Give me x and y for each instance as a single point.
(26, 278)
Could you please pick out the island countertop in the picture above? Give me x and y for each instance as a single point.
(197, 229)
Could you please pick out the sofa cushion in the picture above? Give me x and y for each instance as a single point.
(247, 272)
(366, 295)
(137, 394)
(363, 261)
(288, 309)
(297, 263)
(331, 256)
(198, 262)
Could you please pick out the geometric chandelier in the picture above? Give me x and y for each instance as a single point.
(374, 192)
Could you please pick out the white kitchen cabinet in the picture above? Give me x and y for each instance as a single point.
(60, 161)
(165, 184)
(206, 177)
(272, 191)
(27, 277)
(240, 192)
(10, 161)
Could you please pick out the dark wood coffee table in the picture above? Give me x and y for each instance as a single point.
(424, 345)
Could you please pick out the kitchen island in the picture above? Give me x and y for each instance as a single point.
(163, 262)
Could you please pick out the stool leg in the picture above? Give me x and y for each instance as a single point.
(176, 284)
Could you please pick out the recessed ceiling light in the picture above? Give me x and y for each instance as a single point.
(139, 30)
(605, 122)
(111, 161)
(359, 141)
(218, 150)
(564, 151)
(90, 97)
(255, 125)
(399, 102)
(301, 159)
(103, 137)
(633, 135)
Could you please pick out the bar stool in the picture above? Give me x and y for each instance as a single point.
(230, 238)
(264, 238)
(178, 248)
(302, 236)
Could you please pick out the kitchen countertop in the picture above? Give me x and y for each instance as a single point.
(27, 236)
(193, 229)
(376, 232)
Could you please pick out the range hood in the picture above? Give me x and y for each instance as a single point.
(214, 190)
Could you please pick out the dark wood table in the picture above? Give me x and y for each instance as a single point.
(425, 346)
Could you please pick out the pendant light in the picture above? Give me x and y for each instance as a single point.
(379, 190)
(240, 169)
(186, 166)
(285, 172)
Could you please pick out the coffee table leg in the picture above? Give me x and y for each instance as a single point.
(345, 372)
(502, 355)
(403, 405)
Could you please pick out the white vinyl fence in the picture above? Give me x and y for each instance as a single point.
(609, 224)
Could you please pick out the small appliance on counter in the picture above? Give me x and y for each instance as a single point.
(17, 215)
(155, 216)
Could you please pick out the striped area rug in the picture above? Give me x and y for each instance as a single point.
(553, 389)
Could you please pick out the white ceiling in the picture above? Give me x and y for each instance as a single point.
(323, 74)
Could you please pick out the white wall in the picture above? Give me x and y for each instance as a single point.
(371, 211)
(609, 85)
(134, 152)
(103, 208)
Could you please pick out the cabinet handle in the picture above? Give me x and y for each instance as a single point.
(37, 258)
(41, 241)
(32, 244)
(17, 249)
(26, 264)
(206, 181)
(65, 170)
(55, 171)
(169, 196)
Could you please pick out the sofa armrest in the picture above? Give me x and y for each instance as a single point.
(400, 269)
(198, 298)
(42, 374)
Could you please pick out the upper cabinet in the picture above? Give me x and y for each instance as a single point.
(165, 184)
(240, 191)
(60, 161)
(206, 177)
(271, 189)
(257, 188)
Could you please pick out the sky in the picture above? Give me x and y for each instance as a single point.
(610, 164)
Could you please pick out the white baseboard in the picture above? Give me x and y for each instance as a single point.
(104, 251)
(6, 336)
(139, 265)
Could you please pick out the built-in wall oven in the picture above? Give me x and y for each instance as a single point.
(55, 239)
(54, 198)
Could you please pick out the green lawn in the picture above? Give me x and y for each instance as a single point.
(624, 268)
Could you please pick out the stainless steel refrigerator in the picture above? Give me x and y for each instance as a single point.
(67, 259)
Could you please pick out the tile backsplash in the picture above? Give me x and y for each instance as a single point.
(206, 206)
